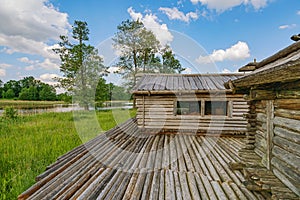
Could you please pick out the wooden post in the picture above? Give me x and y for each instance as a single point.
(270, 132)
(229, 109)
(202, 107)
(143, 111)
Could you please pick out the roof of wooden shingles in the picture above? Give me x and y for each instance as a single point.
(125, 163)
(183, 82)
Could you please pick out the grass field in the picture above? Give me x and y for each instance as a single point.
(31, 143)
(27, 104)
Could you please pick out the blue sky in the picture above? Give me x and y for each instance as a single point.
(207, 35)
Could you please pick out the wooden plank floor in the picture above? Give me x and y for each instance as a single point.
(125, 163)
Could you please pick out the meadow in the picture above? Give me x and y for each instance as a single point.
(27, 104)
(29, 144)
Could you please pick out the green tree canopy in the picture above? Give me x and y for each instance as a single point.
(141, 52)
(80, 64)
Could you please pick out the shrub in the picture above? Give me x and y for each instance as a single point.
(10, 113)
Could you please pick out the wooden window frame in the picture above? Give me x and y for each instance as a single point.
(189, 114)
(227, 113)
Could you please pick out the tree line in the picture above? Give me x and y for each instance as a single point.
(31, 89)
(27, 88)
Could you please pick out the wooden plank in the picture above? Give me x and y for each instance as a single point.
(292, 159)
(192, 83)
(201, 187)
(169, 85)
(270, 132)
(155, 185)
(161, 194)
(290, 173)
(287, 145)
(291, 114)
(159, 154)
(179, 195)
(180, 83)
(186, 83)
(210, 166)
(210, 82)
(198, 83)
(147, 185)
(170, 185)
(112, 185)
(166, 155)
(120, 192)
(138, 188)
(291, 104)
(229, 191)
(186, 153)
(287, 134)
(192, 186)
(181, 163)
(173, 155)
(288, 123)
(287, 182)
(237, 190)
(184, 185)
(208, 187)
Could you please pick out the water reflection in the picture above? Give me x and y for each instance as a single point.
(69, 108)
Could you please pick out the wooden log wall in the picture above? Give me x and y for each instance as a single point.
(285, 158)
(261, 130)
(159, 112)
(277, 139)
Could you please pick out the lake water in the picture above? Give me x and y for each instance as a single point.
(67, 108)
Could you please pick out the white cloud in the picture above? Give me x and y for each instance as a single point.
(28, 26)
(30, 68)
(287, 26)
(48, 64)
(229, 71)
(32, 19)
(2, 72)
(113, 69)
(174, 13)
(27, 60)
(151, 22)
(5, 65)
(298, 12)
(222, 5)
(187, 71)
(239, 51)
(48, 77)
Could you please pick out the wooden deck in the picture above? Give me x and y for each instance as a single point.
(125, 163)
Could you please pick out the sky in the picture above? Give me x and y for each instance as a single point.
(207, 36)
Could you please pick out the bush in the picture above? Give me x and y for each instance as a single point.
(10, 113)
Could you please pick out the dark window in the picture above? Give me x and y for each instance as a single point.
(188, 108)
(216, 108)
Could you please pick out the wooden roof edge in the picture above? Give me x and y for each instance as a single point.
(280, 54)
(202, 74)
(166, 92)
(282, 73)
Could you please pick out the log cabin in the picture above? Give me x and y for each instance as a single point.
(192, 103)
(273, 94)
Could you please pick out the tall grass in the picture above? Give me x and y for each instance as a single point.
(27, 104)
(31, 143)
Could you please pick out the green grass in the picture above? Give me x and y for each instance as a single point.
(27, 104)
(31, 143)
